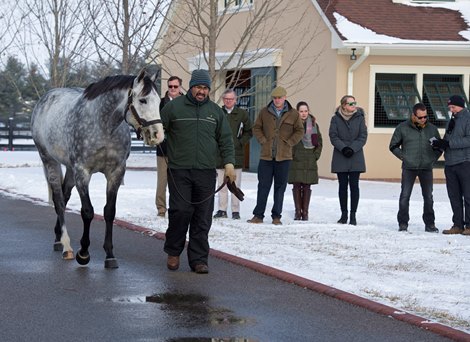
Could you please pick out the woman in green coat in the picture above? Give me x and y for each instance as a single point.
(303, 170)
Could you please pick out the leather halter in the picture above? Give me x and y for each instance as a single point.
(141, 121)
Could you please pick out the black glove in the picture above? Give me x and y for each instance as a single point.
(440, 144)
(347, 152)
(234, 190)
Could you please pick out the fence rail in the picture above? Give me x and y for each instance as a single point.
(16, 136)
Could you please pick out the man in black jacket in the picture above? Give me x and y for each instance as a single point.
(411, 143)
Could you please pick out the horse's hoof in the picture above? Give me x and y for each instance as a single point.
(67, 255)
(82, 259)
(111, 263)
(58, 246)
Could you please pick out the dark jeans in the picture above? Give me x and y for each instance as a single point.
(408, 178)
(267, 171)
(458, 190)
(350, 179)
(187, 188)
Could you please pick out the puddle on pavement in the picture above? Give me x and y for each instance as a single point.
(209, 339)
(197, 307)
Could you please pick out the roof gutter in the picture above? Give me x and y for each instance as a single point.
(353, 67)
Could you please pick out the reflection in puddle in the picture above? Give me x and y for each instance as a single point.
(197, 308)
(209, 339)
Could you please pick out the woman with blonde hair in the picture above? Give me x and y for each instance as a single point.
(348, 135)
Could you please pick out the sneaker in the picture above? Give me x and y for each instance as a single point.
(221, 214)
(466, 231)
(402, 227)
(235, 215)
(431, 229)
(277, 221)
(453, 230)
(255, 219)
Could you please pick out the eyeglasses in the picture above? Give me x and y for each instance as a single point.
(229, 99)
(421, 117)
(173, 86)
(351, 103)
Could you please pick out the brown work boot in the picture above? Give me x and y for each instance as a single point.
(466, 231)
(255, 219)
(453, 230)
(201, 269)
(173, 262)
(277, 221)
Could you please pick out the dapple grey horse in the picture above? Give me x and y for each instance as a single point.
(87, 131)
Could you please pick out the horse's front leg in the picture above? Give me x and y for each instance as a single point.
(113, 183)
(87, 213)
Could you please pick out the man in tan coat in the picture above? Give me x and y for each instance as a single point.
(277, 128)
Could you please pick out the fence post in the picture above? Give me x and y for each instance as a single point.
(10, 134)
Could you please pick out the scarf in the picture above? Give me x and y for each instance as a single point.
(310, 137)
(346, 115)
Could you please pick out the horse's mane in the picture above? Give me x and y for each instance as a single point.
(116, 82)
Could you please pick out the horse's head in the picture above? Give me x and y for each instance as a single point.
(144, 109)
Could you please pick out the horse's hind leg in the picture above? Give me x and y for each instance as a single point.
(53, 173)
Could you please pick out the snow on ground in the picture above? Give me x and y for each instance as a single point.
(422, 273)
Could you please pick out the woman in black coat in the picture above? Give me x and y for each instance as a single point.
(348, 135)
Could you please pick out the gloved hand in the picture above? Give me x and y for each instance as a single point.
(234, 190)
(230, 172)
(440, 144)
(347, 152)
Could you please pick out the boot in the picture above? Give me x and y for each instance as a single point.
(344, 217)
(352, 218)
(297, 194)
(306, 201)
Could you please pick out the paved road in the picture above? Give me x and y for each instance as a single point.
(44, 298)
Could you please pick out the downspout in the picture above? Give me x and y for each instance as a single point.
(353, 67)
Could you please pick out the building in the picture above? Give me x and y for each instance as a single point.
(389, 54)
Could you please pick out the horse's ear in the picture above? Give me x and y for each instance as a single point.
(155, 76)
(141, 75)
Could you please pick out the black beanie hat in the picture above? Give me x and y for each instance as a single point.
(456, 100)
(200, 77)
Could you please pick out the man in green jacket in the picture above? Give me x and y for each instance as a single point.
(196, 131)
(241, 127)
(411, 143)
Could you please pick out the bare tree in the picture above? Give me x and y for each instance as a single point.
(199, 25)
(10, 21)
(123, 31)
(54, 34)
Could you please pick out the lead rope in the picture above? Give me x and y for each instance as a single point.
(176, 187)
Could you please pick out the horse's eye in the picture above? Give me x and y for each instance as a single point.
(143, 101)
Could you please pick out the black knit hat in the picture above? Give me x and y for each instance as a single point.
(200, 77)
(456, 100)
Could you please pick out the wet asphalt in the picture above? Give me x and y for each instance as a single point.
(44, 298)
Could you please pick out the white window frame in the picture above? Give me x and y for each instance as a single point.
(245, 5)
(417, 70)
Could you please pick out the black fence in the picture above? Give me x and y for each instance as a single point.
(15, 135)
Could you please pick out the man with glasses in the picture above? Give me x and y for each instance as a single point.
(277, 128)
(174, 90)
(456, 147)
(197, 131)
(411, 143)
(241, 127)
